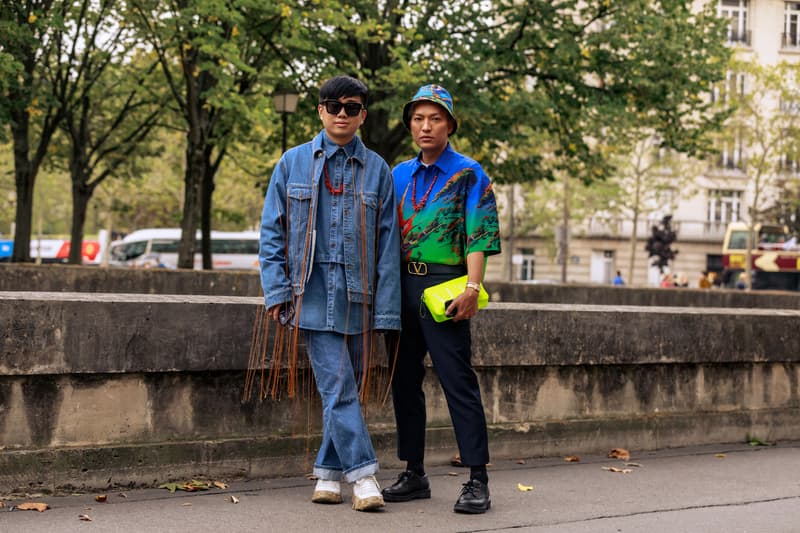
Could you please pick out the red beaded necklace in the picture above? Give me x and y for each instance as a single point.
(417, 206)
(328, 185)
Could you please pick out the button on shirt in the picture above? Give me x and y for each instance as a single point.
(447, 209)
(328, 273)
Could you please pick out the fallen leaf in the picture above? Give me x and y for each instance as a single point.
(187, 504)
(452, 473)
(234, 499)
(619, 470)
(633, 464)
(189, 486)
(85, 517)
(755, 441)
(101, 498)
(720, 456)
(312, 477)
(572, 459)
(620, 453)
(524, 488)
(122, 495)
(521, 462)
(456, 460)
(32, 506)
(220, 485)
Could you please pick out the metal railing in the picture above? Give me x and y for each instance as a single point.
(739, 36)
(790, 40)
(687, 230)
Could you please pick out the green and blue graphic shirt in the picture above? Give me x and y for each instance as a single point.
(447, 210)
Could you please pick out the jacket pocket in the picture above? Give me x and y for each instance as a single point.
(299, 212)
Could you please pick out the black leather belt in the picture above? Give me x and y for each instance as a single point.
(420, 268)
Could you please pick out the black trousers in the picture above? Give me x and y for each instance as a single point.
(449, 346)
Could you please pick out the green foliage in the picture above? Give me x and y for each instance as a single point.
(768, 134)
(595, 71)
(542, 88)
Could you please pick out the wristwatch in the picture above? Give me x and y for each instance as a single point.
(474, 286)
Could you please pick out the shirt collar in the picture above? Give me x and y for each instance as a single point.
(355, 149)
(444, 162)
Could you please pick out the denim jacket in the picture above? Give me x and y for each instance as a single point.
(365, 268)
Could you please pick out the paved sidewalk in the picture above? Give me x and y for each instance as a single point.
(721, 489)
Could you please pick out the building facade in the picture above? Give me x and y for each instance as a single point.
(721, 189)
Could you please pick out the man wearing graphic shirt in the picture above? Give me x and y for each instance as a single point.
(448, 226)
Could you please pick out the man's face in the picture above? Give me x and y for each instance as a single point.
(341, 127)
(430, 126)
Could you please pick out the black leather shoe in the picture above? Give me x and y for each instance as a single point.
(474, 498)
(409, 486)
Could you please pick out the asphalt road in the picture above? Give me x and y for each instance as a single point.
(726, 489)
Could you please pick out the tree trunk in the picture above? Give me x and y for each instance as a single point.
(632, 258)
(24, 178)
(207, 192)
(193, 179)
(564, 245)
(81, 194)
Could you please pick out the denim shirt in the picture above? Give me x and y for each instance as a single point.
(337, 257)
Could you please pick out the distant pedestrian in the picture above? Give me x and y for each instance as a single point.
(705, 280)
(741, 281)
(618, 280)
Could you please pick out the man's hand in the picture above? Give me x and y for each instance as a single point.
(281, 313)
(464, 306)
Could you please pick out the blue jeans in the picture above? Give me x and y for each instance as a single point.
(346, 449)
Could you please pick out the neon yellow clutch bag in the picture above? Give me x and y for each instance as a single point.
(437, 297)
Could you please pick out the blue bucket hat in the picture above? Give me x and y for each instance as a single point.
(431, 93)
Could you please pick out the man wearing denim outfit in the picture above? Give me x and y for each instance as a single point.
(329, 256)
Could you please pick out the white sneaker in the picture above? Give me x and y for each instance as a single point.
(367, 494)
(327, 491)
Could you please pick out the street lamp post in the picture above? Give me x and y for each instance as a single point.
(285, 104)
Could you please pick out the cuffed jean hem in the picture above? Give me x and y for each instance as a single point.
(327, 474)
(367, 469)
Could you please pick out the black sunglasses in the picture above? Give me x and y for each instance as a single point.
(351, 109)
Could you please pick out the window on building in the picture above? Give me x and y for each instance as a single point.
(789, 159)
(731, 153)
(731, 89)
(526, 264)
(714, 263)
(789, 164)
(724, 206)
(736, 13)
(789, 106)
(791, 25)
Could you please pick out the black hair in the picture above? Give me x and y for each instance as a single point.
(340, 86)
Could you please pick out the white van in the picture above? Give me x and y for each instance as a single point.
(158, 248)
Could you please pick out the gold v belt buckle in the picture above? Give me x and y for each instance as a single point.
(417, 268)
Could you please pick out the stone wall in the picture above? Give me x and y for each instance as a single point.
(99, 389)
(67, 278)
